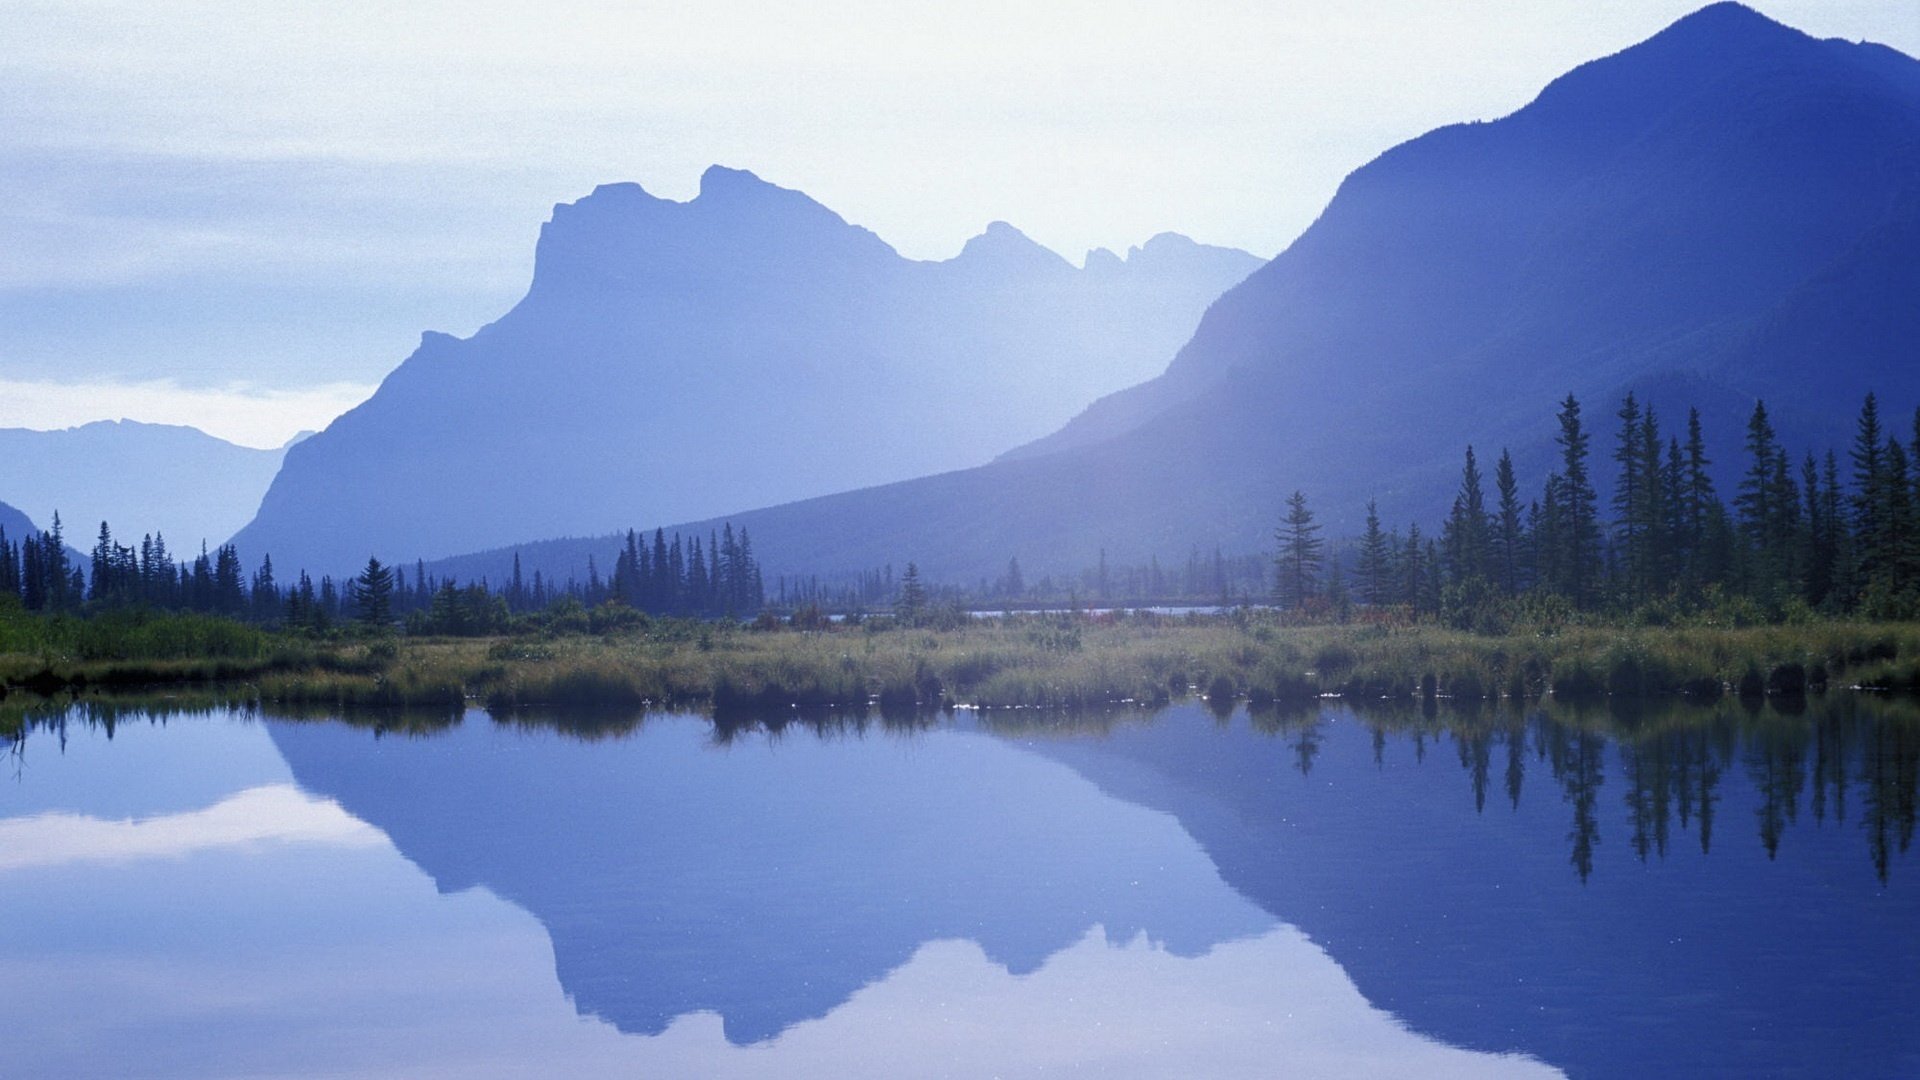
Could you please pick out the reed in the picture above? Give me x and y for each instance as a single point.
(1044, 661)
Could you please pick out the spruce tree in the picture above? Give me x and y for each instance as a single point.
(1629, 494)
(912, 605)
(1509, 527)
(1577, 526)
(1465, 534)
(1376, 560)
(1413, 570)
(1297, 569)
(373, 595)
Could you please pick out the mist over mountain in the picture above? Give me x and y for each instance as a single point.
(1727, 211)
(140, 478)
(677, 360)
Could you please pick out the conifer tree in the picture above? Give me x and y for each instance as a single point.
(1869, 491)
(1465, 534)
(913, 596)
(264, 596)
(1765, 508)
(1413, 570)
(1629, 493)
(9, 568)
(1508, 531)
(1297, 570)
(373, 595)
(1576, 526)
(1376, 560)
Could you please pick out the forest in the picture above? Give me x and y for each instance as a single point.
(1796, 542)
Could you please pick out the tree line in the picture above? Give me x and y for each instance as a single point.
(1806, 533)
(680, 576)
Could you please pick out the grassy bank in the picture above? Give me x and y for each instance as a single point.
(1043, 661)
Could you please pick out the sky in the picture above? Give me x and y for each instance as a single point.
(241, 216)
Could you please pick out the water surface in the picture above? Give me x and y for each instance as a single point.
(1321, 893)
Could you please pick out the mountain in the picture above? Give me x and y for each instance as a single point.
(1727, 211)
(675, 360)
(139, 478)
(15, 525)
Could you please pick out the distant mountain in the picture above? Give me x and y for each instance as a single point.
(140, 478)
(1727, 211)
(677, 360)
(15, 524)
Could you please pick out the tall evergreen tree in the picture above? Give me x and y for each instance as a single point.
(1577, 525)
(1466, 533)
(1629, 494)
(1376, 560)
(1297, 569)
(373, 595)
(1767, 508)
(1870, 491)
(1413, 568)
(1509, 538)
(912, 605)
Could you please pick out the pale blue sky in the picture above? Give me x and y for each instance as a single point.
(243, 214)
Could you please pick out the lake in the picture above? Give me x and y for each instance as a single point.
(1326, 893)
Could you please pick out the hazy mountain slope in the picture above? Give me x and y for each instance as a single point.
(1727, 211)
(141, 478)
(15, 524)
(675, 360)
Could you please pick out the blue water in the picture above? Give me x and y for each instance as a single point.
(1705, 892)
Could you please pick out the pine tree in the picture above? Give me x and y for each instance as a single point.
(1765, 508)
(102, 565)
(1629, 495)
(1577, 527)
(1653, 556)
(1709, 539)
(1869, 491)
(1465, 534)
(1413, 571)
(373, 595)
(912, 604)
(1509, 539)
(1898, 555)
(9, 570)
(265, 593)
(1297, 569)
(1813, 541)
(229, 588)
(1376, 560)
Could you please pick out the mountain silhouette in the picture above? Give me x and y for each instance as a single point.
(675, 360)
(140, 478)
(1725, 212)
(15, 524)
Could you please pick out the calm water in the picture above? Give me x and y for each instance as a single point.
(1705, 892)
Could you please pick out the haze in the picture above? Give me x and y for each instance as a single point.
(217, 203)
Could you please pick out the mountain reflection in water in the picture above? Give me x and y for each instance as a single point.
(1610, 892)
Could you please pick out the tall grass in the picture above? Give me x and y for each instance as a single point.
(1039, 661)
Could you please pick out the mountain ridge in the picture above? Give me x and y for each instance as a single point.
(741, 348)
(1722, 213)
(139, 477)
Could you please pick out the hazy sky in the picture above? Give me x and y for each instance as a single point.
(242, 214)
